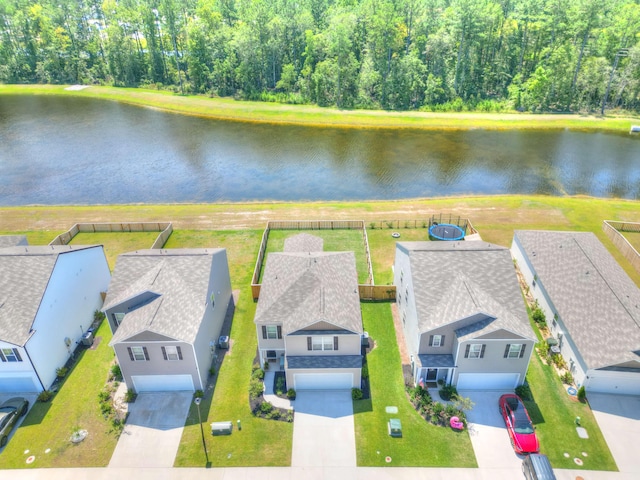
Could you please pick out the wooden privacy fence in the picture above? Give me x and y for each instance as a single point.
(612, 229)
(165, 229)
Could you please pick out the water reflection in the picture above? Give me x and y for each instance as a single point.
(73, 150)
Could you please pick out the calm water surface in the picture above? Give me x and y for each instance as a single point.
(69, 151)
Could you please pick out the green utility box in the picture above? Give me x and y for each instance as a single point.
(395, 427)
(221, 428)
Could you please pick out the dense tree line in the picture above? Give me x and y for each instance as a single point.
(534, 55)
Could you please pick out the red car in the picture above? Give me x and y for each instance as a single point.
(521, 431)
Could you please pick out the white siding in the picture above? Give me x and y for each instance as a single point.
(66, 311)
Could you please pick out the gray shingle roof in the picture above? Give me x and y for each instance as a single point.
(300, 289)
(179, 278)
(12, 240)
(324, 361)
(435, 361)
(24, 276)
(455, 280)
(303, 242)
(596, 300)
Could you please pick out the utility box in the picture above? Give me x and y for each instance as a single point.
(221, 428)
(223, 342)
(364, 340)
(87, 338)
(395, 427)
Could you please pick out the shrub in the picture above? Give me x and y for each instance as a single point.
(255, 388)
(258, 373)
(130, 396)
(266, 365)
(106, 409)
(538, 315)
(61, 372)
(365, 371)
(372, 226)
(567, 378)
(45, 396)
(447, 392)
(437, 408)
(291, 394)
(558, 360)
(104, 396)
(543, 348)
(524, 391)
(116, 372)
(441, 382)
(582, 394)
(356, 394)
(212, 371)
(198, 394)
(280, 386)
(266, 407)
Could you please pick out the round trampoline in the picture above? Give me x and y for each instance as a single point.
(445, 231)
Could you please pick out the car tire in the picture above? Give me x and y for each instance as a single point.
(3, 441)
(24, 410)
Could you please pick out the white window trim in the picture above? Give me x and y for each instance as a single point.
(10, 355)
(118, 318)
(437, 341)
(321, 343)
(138, 351)
(512, 352)
(272, 335)
(172, 353)
(472, 350)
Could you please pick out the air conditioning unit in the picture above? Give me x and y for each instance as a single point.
(223, 341)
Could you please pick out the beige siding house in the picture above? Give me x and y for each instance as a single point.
(166, 309)
(308, 319)
(463, 315)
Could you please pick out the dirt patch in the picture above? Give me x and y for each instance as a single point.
(402, 345)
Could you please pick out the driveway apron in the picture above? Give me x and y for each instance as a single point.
(323, 430)
(488, 432)
(618, 417)
(153, 430)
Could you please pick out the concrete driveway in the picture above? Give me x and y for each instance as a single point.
(488, 433)
(618, 417)
(153, 430)
(323, 430)
(31, 398)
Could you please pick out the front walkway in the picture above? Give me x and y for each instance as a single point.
(323, 430)
(272, 398)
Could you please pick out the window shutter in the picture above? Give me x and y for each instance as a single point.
(522, 350)
(506, 350)
(264, 331)
(442, 341)
(279, 331)
(308, 343)
(15, 350)
(164, 353)
(466, 351)
(482, 351)
(146, 353)
(131, 354)
(179, 353)
(2, 356)
(335, 343)
(431, 340)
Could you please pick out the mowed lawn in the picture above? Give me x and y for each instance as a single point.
(260, 442)
(553, 412)
(422, 444)
(47, 428)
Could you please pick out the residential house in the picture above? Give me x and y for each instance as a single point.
(48, 296)
(463, 314)
(308, 318)
(591, 305)
(166, 309)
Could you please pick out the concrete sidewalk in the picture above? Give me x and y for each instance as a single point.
(270, 396)
(297, 473)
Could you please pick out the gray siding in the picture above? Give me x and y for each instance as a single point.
(493, 360)
(406, 307)
(347, 345)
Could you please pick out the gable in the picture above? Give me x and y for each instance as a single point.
(501, 334)
(147, 336)
(324, 327)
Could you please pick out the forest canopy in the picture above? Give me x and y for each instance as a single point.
(490, 55)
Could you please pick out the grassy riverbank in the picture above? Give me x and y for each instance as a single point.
(244, 111)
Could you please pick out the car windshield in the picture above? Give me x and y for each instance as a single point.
(521, 422)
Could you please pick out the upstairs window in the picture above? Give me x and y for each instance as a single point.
(118, 318)
(10, 355)
(271, 332)
(514, 350)
(138, 354)
(474, 350)
(322, 343)
(172, 353)
(436, 340)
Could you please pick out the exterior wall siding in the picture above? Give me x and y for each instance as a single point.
(21, 369)
(66, 311)
(406, 307)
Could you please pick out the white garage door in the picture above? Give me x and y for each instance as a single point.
(17, 385)
(487, 381)
(614, 382)
(322, 381)
(163, 383)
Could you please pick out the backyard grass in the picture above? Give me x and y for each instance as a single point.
(229, 109)
(50, 425)
(339, 240)
(260, 442)
(633, 238)
(116, 243)
(553, 412)
(422, 444)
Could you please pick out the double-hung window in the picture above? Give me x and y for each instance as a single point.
(436, 340)
(171, 352)
(138, 354)
(474, 350)
(514, 350)
(271, 332)
(10, 355)
(322, 343)
(118, 317)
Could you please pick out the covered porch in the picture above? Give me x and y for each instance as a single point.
(432, 368)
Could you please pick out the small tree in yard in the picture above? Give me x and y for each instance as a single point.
(463, 403)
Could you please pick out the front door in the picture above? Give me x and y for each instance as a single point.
(432, 374)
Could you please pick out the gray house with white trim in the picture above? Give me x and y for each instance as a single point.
(48, 296)
(591, 305)
(463, 314)
(166, 309)
(308, 318)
